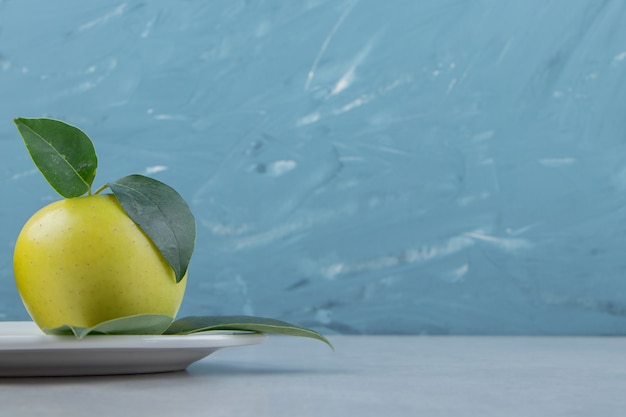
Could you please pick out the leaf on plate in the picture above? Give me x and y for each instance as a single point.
(162, 214)
(141, 324)
(195, 324)
(63, 154)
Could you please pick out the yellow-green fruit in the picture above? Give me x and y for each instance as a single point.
(82, 261)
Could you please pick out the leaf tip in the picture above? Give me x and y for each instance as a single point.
(322, 338)
(330, 345)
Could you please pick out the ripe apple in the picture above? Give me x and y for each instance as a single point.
(83, 261)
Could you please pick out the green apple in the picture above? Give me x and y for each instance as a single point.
(84, 261)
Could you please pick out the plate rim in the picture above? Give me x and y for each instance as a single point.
(28, 352)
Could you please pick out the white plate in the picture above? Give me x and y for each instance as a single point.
(26, 351)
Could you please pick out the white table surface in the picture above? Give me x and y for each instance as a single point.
(366, 376)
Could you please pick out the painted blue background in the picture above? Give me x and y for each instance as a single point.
(442, 167)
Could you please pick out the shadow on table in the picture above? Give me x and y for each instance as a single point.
(196, 371)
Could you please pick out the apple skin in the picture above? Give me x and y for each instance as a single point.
(82, 261)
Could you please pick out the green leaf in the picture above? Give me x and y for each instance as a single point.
(158, 324)
(195, 324)
(162, 214)
(142, 324)
(63, 153)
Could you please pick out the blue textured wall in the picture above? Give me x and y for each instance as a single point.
(356, 166)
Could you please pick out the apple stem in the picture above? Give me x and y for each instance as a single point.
(99, 190)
